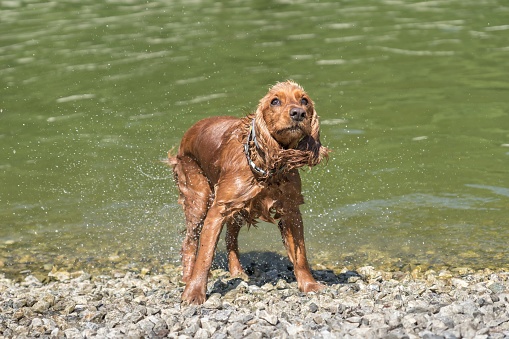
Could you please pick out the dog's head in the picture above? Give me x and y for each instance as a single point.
(286, 118)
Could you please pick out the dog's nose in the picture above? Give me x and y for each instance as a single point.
(297, 114)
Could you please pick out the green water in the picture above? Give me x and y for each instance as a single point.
(413, 99)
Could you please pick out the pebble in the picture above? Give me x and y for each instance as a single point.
(362, 303)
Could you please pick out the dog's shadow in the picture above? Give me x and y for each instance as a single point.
(269, 268)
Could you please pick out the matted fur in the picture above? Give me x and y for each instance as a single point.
(218, 186)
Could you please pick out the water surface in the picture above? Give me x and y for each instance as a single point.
(412, 98)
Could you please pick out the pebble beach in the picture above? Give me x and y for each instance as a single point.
(360, 303)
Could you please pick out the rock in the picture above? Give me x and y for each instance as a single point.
(312, 307)
(293, 329)
(496, 287)
(201, 334)
(459, 283)
(44, 303)
(236, 330)
(267, 287)
(214, 301)
(368, 272)
(36, 322)
(268, 317)
(209, 325)
(59, 275)
(72, 333)
(282, 285)
(364, 332)
(254, 335)
(242, 318)
(223, 315)
(145, 325)
(466, 330)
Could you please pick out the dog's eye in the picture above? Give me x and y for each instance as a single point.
(304, 101)
(275, 102)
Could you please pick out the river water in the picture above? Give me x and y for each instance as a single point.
(413, 99)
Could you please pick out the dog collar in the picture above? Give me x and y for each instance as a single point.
(252, 137)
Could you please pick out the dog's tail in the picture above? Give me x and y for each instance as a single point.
(172, 159)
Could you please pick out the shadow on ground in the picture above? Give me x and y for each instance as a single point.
(271, 267)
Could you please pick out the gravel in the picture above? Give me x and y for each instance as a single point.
(364, 303)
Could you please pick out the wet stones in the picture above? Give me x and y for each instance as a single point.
(365, 303)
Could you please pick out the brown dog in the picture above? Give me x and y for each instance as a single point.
(233, 171)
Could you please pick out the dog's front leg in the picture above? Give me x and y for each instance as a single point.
(196, 287)
(292, 232)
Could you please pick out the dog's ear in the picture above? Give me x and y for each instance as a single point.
(312, 142)
(263, 135)
(315, 126)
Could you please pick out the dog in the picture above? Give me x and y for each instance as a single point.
(233, 171)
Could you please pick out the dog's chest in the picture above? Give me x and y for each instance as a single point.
(267, 205)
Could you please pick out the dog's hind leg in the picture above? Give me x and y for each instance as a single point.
(195, 198)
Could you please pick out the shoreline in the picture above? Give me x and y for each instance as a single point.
(17, 263)
(357, 303)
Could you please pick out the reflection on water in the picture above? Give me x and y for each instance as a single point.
(412, 97)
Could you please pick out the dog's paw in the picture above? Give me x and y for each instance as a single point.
(193, 296)
(312, 287)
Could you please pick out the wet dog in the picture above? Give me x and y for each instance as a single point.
(232, 171)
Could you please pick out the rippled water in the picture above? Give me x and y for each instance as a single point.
(412, 98)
